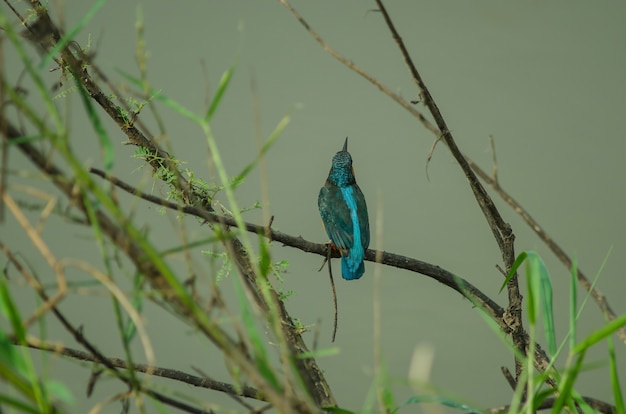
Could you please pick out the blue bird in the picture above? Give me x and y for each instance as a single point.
(344, 213)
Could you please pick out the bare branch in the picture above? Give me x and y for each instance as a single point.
(501, 230)
(597, 296)
(173, 374)
(548, 403)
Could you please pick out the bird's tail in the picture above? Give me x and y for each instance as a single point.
(352, 268)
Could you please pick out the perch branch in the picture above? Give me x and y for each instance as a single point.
(501, 230)
(457, 283)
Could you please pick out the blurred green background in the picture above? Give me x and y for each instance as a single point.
(546, 79)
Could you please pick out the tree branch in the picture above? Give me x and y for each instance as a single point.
(462, 286)
(511, 322)
(77, 63)
(501, 230)
(242, 391)
(599, 298)
(548, 403)
(95, 354)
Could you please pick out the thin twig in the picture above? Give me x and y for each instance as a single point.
(509, 378)
(95, 354)
(598, 297)
(556, 249)
(500, 229)
(172, 374)
(135, 252)
(494, 160)
(599, 406)
(406, 105)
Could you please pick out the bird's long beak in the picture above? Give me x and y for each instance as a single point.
(345, 145)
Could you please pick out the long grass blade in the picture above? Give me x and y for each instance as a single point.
(71, 33)
(219, 94)
(608, 329)
(518, 262)
(161, 97)
(239, 178)
(615, 383)
(260, 353)
(543, 288)
(573, 299)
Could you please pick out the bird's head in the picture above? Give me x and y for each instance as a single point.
(341, 171)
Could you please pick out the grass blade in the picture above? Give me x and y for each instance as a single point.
(105, 142)
(617, 393)
(573, 299)
(177, 107)
(544, 286)
(239, 178)
(518, 262)
(219, 94)
(73, 32)
(260, 353)
(607, 330)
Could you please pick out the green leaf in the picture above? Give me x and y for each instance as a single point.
(337, 410)
(59, 391)
(15, 368)
(17, 405)
(158, 95)
(41, 87)
(71, 33)
(387, 396)
(318, 353)
(608, 329)
(567, 384)
(137, 301)
(260, 353)
(25, 139)
(542, 289)
(573, 299)
(9, 358)
(518, 262)
(105, 142)
(419, 399)
(617, 393)
(239, 178)
(219, 94)
(265, 263)
(11, 313)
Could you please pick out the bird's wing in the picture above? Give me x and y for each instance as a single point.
(364, 222)
(336, 216)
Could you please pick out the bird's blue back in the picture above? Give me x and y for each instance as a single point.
(344, 213)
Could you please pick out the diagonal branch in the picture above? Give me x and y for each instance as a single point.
(600, 406)
(501, 230)
(406, 105)
(550, 242)
(77, 63)
(78, 335)
(243, 391)
(137, 254)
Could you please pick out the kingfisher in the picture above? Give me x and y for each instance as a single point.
(344, 214)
